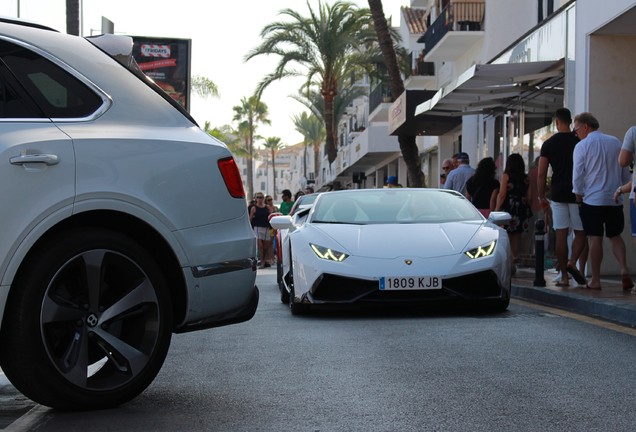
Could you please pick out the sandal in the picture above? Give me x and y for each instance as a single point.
(577, 275)
(562, 284)
(627, 282)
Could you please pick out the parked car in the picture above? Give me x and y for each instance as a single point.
(123, 222)
(403, 246)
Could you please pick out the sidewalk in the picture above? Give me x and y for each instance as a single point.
(610, 304)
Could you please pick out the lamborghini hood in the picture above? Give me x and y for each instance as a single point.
(390, 241)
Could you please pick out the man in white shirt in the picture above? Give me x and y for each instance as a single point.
(595, 178)
(625, 159)
(458, 177)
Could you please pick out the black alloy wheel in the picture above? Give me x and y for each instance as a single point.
(88, 321)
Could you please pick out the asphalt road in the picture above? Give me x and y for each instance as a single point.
(524, 370)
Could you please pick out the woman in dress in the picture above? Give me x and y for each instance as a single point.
(514, 198)
(482, 188)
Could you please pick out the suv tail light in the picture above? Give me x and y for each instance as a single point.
(232, 177)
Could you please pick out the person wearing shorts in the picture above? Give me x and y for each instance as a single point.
(259, 216)
(557, 152)
(626, 158)
(595, 179)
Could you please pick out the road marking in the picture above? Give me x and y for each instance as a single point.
(28, 421)
(583, 318)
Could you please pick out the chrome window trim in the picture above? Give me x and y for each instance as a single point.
(25, 120)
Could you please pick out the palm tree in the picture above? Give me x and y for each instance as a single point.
(204, 87)
(312, 99)
(312, 129)
(251, 112)
(273, 144)
(233, 138)
(300, 124)
(324, 45)
(409, 149)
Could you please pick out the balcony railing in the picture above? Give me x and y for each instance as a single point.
(464, 16)
(423, 68)
(420, 67)
(380, 94)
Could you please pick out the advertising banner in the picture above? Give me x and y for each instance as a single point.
(167, 61)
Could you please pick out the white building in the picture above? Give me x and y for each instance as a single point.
(291, 168)
(488, 75)
(504, 76)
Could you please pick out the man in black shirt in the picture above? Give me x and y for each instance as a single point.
(557, 152)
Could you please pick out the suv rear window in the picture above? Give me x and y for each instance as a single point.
(58, 93)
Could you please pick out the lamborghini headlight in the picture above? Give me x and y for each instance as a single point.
(328, 254)
(481, 251)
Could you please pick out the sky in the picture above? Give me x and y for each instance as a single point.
(222, 33)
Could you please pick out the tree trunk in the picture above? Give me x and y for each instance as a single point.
(330, 138)
(305, 159)
(73, 17)
(250, 161)
(408, 146)
(274, 173)
(316, 160)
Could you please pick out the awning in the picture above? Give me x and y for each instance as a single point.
(402, 120)
(489, 88)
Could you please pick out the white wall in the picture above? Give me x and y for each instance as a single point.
(589, 18)
(505, 22)
(604, 73)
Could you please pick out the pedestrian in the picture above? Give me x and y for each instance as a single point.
(455, 161)
(287, 203)
(626, 158)
(259, 215)
(457, 178)
(533, 173)
(595, 179)
(271, 244)
(392, 182)
(447, 166)
(251, 204)
(482, 188)
(514, 198)
(298, 195)
(309, 190)
(269, 202)
(557, 152)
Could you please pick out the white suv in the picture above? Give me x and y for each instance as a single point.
(122, 221)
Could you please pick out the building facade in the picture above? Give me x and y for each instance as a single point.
(488, 75)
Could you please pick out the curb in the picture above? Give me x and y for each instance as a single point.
(605, 309)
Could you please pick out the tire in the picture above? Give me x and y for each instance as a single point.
(88, 321)
(498, 306)
(279, 273)
(284, 295)
(295, 308)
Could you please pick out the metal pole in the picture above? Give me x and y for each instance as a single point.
(539, 239)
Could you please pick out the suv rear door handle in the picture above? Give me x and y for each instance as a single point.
(47, 159)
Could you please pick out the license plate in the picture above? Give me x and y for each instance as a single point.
(411, 283)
